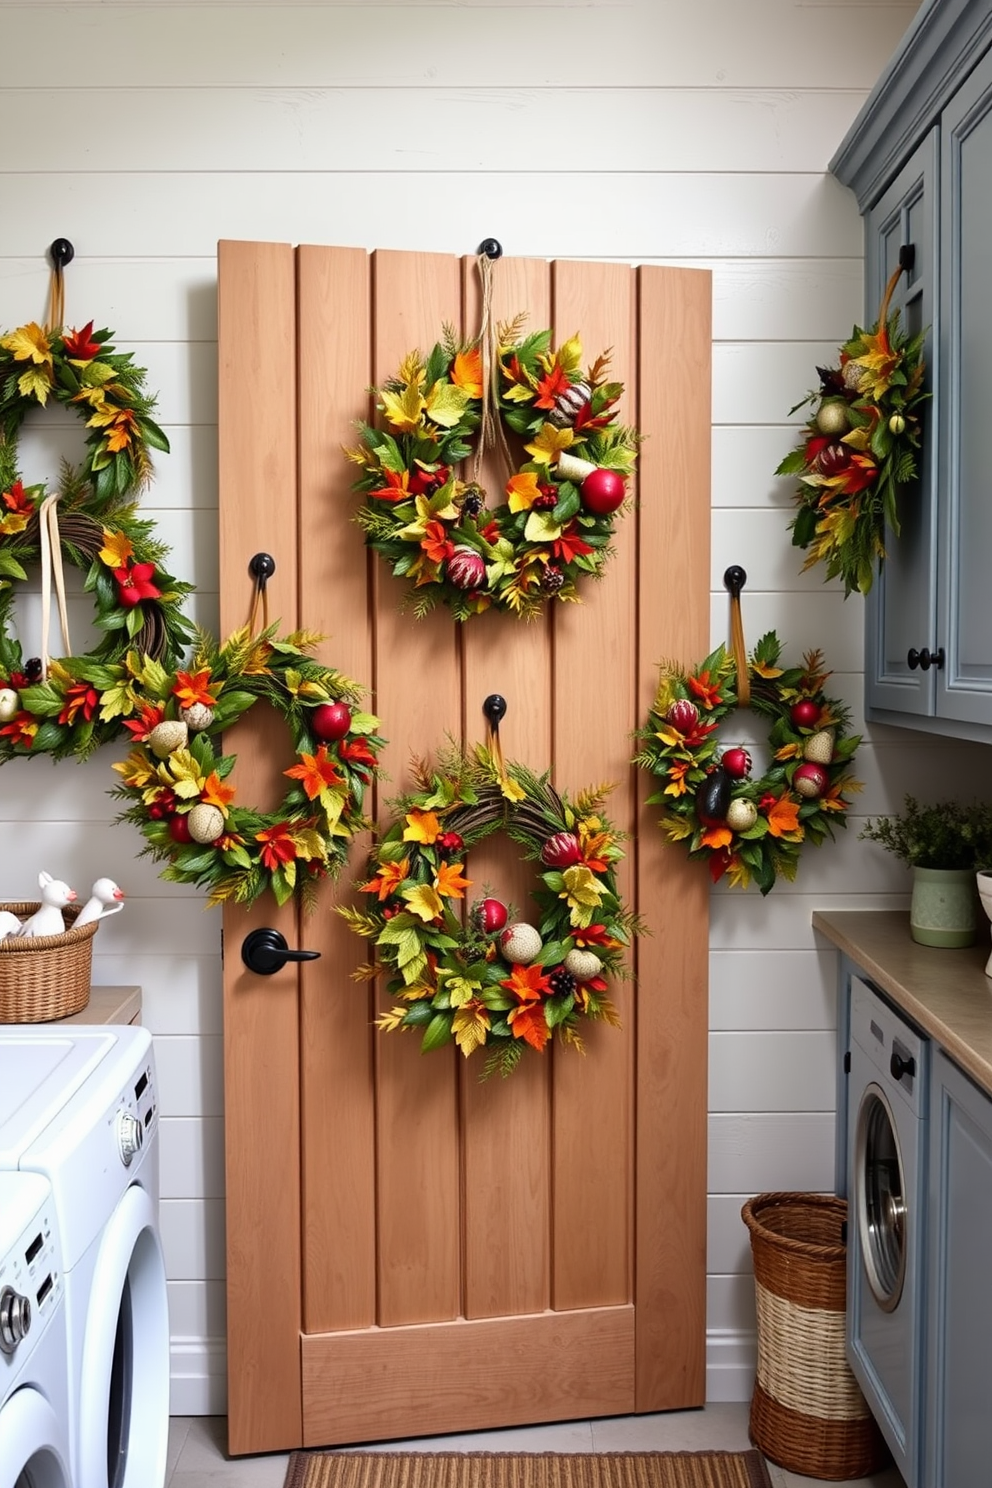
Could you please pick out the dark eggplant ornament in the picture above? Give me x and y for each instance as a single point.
(713, 798)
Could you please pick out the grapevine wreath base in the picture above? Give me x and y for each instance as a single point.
(555, 521)
(745, 828)
(175, 777)
(62, 707)
(492, 982)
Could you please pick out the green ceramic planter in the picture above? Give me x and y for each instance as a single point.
(944, 907)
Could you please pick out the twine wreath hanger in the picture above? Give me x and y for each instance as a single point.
(745, 828)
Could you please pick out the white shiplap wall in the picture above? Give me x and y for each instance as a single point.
(647, 132)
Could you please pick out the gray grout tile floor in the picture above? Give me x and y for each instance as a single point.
(198, 1446)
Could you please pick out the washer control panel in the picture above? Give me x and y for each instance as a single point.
(30, 1283)
(137, 1114)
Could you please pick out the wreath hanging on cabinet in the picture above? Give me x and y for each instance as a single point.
(175, 776)
(857, 452)
(745, 828)
(492, 982)
(555, 522)
(55, 707)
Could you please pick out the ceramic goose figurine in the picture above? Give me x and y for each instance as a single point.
(105, 899)
(47, 920)
(9, 924)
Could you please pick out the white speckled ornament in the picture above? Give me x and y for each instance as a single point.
(819, 747)
(741, 815)
(205, 822)
(198, 717)
(168, 736)
(584, 965)
(520, 943)
(10, 703)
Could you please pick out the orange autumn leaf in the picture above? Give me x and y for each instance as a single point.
(783, 818)
(216, 793)
(466, 372)
(788, 751)
(527, 983)
(717, 837)
(529, 1023)
(193, 687)
(116, 550)
(316, 773)
(449, 881)
(706, 691)
(422, 826)
(388, 879)
(522, 490)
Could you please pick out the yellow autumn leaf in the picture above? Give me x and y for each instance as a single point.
(116, 550)
(540, 528)
(570, 355)
(470, 1025)
(403, 410)
(389, 1022)
(136, 770)
(35, 383)
(308, 843)
(546, 446)
(182, 772)
(424, 902)
(466, 372)
(511, 790)
(29, 343)
(445, 404)
(14, 523)
(522, 490)
(461, 989)
(411, 370)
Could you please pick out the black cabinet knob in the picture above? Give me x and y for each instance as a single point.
(925, 659)
(265, 952)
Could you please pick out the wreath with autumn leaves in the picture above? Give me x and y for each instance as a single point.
(69, 707)
(554, 525)
(176, 778)
(749, 829)
(488, 981)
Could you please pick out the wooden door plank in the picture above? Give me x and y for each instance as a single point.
(595, 695)
(418, 694)
(338, 1115)
(390, 1383)
(257, 473)
(673, 895)
(506, 1124)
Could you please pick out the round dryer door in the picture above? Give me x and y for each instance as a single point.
(29, 1457)
(881, 1199)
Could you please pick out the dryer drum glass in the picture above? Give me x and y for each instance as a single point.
(882, 1206)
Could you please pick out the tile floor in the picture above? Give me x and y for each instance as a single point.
(197, 1446)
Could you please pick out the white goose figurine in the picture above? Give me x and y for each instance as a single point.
(105, 899)
(47, 920)
(9, 924)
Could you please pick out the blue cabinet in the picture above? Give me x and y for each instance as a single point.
(958, 1428)
(919, 157)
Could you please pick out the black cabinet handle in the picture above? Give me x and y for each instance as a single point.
(265, 952)
(901, 1064)
(925, 659)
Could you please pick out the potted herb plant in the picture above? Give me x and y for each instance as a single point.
(945, 844)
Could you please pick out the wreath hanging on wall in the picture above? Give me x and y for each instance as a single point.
(492, 982)
(748, 828)
(51, 706)
(554, 524)
(175, 777)
(857, 452)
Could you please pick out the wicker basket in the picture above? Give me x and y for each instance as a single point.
(807, 1411)
(48, 976)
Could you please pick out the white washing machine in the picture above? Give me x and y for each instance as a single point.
(34, 1394)
(887, 1126)
(80, 1109)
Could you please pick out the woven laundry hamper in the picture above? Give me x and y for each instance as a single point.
(48, 976)
(807, 1411)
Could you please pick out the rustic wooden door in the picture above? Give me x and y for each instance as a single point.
(410, 1251)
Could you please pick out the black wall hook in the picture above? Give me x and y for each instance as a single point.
(494, 708)
(734, 580)
(491, 247)
(261, 568)
(61, 253)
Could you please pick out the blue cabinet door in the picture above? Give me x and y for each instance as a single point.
(964, 683)
(959, 1372)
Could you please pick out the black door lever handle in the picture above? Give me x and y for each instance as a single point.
(265, 952)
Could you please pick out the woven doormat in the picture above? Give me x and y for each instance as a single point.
(527, 1470)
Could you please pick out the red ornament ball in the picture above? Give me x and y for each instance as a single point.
(736, 762)
(805, 713)
(683, 715)
(603, 491)
(561, 851)
(179, 829)
(466, 568)
(451, 842)
(810, 781)
(331, 721)
(492, 915)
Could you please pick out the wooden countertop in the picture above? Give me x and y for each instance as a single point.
(946, 993)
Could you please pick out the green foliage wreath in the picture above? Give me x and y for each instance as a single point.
(486, 983)
(556, 520)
